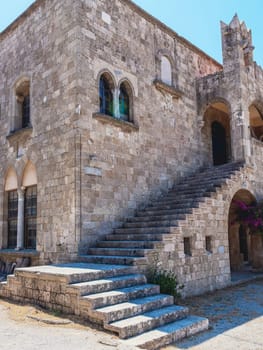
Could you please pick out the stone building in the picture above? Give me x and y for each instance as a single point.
(108, 116)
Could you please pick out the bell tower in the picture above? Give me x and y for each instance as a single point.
(236, 45)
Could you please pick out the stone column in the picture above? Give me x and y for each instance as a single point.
(20, 218)
(116, 107)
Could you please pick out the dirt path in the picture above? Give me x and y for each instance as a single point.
(30, 328)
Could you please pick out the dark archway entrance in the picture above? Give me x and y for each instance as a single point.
(242, 252)
(219, 143)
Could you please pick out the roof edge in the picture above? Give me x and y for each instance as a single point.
(168, 30)
(13, 25)
(133, 6)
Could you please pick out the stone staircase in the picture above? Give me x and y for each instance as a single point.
(108, 286)
(142, 234)
(117, 297)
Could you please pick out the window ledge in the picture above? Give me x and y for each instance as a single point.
(107, 119)
(176, 93)
(19, 253)
(20, 132)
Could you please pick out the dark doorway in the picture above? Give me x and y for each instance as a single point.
(219, 144)
(243, 242)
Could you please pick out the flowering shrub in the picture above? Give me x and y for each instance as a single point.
(250, 215)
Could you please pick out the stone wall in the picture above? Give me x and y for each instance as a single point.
(137, 164)
(203, 270)
(41, 46)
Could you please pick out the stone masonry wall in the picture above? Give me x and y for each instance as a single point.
(41, 46)
(133, 166)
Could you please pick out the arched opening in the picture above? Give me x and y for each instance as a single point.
(29, 185)
(125, 101)
(11, 208)
(219, 143)
(166, 71)
(216, 133)
(106, 88)
(256, 122)
(242, 244)
(22, 104)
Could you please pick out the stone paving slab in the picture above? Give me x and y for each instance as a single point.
(236, 319)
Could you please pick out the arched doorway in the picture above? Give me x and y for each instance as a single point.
(241, 251)
(219, 144)
(216, 133)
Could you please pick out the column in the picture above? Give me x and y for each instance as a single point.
(116, 108)
(20, 218)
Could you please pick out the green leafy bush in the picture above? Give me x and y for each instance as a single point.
(167, 281)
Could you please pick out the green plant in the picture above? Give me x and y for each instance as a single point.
(167, 281)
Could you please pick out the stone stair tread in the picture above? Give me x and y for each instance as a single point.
(110, 281)
(139, 324)
(169, 333)
(77, 272)
(116, 259)
(128, 243)
(118, 291)
(120, 295)
(133, 307)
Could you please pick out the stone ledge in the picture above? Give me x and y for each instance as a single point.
(122, 124)
(16, 134)
(19, 253)
(176, 93)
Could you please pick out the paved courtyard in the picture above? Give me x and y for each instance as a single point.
(235, 314)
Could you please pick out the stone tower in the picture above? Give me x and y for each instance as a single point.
(238, 64)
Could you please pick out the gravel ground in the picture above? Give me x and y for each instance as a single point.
(236, 319)
(235, 314)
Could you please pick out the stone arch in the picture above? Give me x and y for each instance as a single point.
(256, 119)
(107, 87)
(243, 247)
(126, 84)
(11, 180)
(29, 177)
(216, 132)
(21, 97)
(110, 76)
(163, 58)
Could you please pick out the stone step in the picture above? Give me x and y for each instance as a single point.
(182, 197)
(173, 216)
(76, 272)
(158, 211)
(116, 260)
(171, 206)
(190, 191)
(110, 283)
(135, 237)
(136, 325)
(197, 184)
(116, 251)
(209, 177)
(133, 307)
(118, 296)
(159, 223)
(142, 230)
(169, 333)
(127, 244)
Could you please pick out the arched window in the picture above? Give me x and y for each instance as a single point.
(12, 208)
(22, 107)
(166, 71)
(124, 102)
(29, 182)
(106, 96)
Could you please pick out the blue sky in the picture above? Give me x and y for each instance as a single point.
(196, 20)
